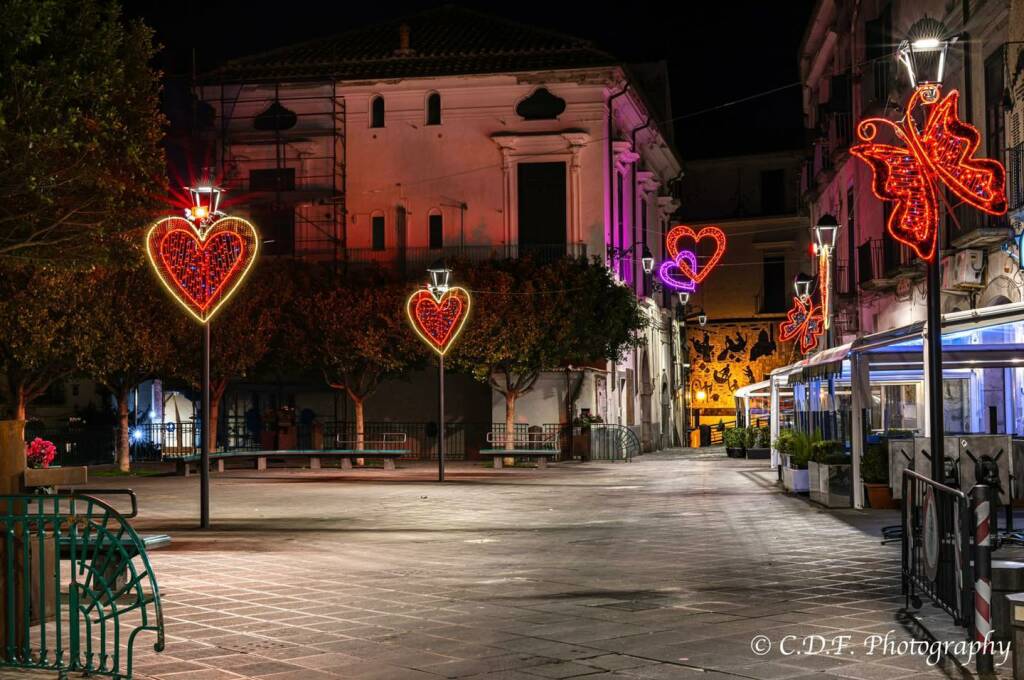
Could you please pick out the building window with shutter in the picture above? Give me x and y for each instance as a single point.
(435, 227)
(377, 231)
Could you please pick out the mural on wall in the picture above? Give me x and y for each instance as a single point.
(725, 357)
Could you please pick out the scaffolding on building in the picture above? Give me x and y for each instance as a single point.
(280, 152)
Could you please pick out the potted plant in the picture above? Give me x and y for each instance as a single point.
(828, 472)
(797, 447)
(734, 439)
(874, 470)
(759, 443)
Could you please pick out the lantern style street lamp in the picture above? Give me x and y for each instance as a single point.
(802, 286)
(825, 233)
(440, 276)
(925, 57)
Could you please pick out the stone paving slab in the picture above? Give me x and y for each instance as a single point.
(667, 567)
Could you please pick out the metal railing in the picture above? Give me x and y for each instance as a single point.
(536, 441)
(1015, 177)
(77, 587)
(613, 442)
(936, 545)
(413, 261)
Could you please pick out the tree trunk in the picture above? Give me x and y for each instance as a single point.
(217, 389)
(20, 403)
(360, 438)
(124, 461)
(510, 420)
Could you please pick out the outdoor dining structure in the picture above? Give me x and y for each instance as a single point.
(874, 387)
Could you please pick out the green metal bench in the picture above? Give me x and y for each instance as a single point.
(77, 586)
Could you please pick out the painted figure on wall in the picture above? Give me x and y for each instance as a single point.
(724, 360)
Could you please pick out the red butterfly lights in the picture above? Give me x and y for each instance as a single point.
(940, 155)
(805, 322)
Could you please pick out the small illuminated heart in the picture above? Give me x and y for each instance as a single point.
(438, 321)
(202, 270)
(671, 274)
(681, 231)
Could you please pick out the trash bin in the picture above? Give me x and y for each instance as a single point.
(705, 435)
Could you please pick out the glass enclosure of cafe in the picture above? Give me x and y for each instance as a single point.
(982, 382)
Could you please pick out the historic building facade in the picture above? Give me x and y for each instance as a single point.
(402, 143)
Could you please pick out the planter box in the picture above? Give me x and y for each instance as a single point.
(830, 485)
(793, 480)
(734, 452)
(55, 476)
(759, 454)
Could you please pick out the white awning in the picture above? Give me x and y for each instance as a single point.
(758, 389)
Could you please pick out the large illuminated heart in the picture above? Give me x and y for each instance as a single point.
(681, 231)
(202, 268)
(438, 321)
(671, 273)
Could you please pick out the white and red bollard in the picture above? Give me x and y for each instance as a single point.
(983, 530)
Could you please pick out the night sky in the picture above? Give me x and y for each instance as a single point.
(717, 52)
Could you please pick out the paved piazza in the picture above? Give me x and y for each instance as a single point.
(666, 567)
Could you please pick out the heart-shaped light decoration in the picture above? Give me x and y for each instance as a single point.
(202, 268)
(681, 231)
(438, 320)
(679, 281)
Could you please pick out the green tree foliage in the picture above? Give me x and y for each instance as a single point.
(354, 331)
(80, 129)
(40, 311)
(528, 318)
(124, 339)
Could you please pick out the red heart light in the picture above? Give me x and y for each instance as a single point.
(438, 321)
(681, 231)
(202, 269)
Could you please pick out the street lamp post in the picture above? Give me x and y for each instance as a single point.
(440, 275)
(925, 61)
(702, 320)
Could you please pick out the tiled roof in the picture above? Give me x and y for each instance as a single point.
(443, 41)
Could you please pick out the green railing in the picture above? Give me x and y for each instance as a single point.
(77, 586)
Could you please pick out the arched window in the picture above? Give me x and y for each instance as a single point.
(434, 109)
(377, 112)
(435, 229)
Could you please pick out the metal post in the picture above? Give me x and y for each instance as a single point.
(204, 458)
(935, 417)
(980, 499)
(440, 419)
(686, 385)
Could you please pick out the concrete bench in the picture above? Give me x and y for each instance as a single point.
(388, 456)
(540, 455)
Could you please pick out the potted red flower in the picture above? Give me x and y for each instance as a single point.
(39, 453)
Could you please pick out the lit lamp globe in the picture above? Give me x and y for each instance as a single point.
(684, 298)
(924, 54)
(802, 285)
(440, 275)
(825, 233)
(205, 202)
(647, 261)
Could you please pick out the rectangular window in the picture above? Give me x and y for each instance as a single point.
(377, 228)
(773, 284)
(773, 192)
(272, 179)
(542, 208)
(436, 228)
(277, 227)
(851, 234)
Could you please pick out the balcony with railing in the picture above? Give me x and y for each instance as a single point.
(413, 261)
(972, 228)
(1015, 179)
(874, 265)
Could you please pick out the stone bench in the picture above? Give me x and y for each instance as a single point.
(540, 455)
(388, 456)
